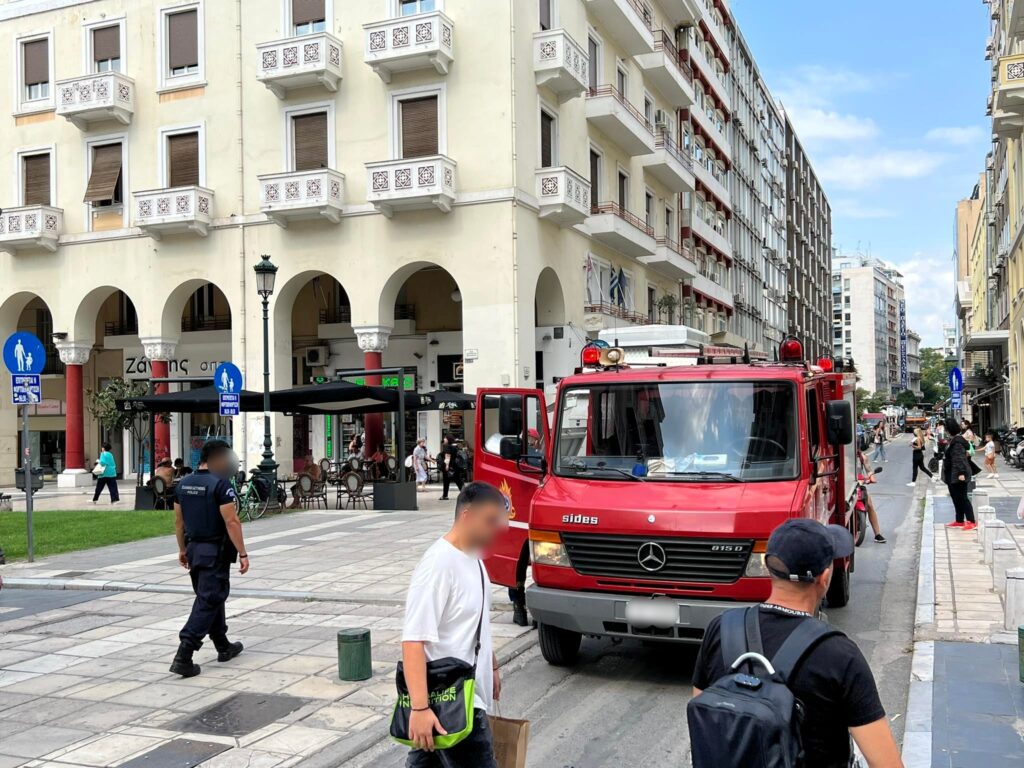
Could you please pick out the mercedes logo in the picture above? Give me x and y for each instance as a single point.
(651, 556)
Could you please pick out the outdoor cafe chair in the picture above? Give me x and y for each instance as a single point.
(312, 491)
(163, 495)
(353, 486)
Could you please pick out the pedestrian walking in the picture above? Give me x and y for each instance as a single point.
(869, 478)
(822, 668)
(879, 440)
(917, 446)
(451, 464)
(447, 616)
(108, 478)
(419, 464)
(209, 540)
(990, 455)
(957, 473)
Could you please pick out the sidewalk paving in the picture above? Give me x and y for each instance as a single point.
(83, 674)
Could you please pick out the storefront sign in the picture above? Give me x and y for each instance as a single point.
(191, 359)
(904, 371)
(390, 381)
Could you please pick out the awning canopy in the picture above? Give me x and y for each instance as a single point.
(202, 400)
(983, 341)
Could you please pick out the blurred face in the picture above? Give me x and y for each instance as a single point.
(224, 464)
(483, 521)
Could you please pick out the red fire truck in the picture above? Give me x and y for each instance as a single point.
(645, 505)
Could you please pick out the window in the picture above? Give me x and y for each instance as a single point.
(310, 141)
(183, 43)
(652, 303)
(308, 16)
(418, 126)
(545, 14)
(621, 81)
(548, 139)
(106, 49)
(594, 51)
(595, 176)
(409, 7)
(183, 159)
(648, 109)
(35, 179)
(105, 185)
(649, 209)
(669, 224)
(36, 69)
(623, 191)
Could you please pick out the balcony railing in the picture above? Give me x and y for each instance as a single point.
(614, 310)
(96, 98)
(560, 63)
(411, 184)
(174, 210)
(611, 112)
(206, 323)
(563, 196)
(630, 218)
(628, 21)
(300, 62)
(29, 227)
(666, 70)
(336, 315)
(302, 195)
(672, 259)
(121, 327)
(616, 227)
(409, 43)
(669, 164)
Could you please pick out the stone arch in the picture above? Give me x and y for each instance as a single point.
(176, 302)
(397, 281)
(83, 325)
(549, 299)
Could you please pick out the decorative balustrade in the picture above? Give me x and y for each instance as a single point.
(411, 184)
(302, 195)
(300, 62)
(174, 210)
(96, 98)
(409, 43)
(30, 226)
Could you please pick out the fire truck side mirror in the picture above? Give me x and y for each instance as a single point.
(839, 422)
(510, 415)
(511, 448)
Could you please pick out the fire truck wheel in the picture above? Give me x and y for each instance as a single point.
(839, 590)
(559, 647)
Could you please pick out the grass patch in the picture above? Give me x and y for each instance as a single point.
(57, 531)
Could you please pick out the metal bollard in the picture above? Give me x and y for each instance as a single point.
(1014, 599)
(1005, 556)
(354, 654)
(991, 532)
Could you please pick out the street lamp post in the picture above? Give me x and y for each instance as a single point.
(266, 272)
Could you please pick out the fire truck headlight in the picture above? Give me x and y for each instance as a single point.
(550, 553)
(755, 565)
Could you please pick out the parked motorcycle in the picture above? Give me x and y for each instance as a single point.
(860, 504)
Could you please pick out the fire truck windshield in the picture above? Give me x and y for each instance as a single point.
(703, 431)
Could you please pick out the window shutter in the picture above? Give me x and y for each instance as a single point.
(547, 130)
(305, 11)
(545, 14)
(36, 174)
(183, 40)
(106, 170)
(183, 160)
(106, 43)
(309, 134)
(37, 62)
(592, 53)
(419, 127)
(595, 180)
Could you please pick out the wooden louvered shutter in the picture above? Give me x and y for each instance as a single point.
(36, 175)
(37, 62)
(183, 160)
(106, 43)
(419, 127)
(547, 139)
(305, 11)
(106, 170)
(183, 40)
(310, 140)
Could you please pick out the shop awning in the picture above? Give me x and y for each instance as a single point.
(202, 400)
(983, 341)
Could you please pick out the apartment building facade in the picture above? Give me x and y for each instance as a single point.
(809, 248)
(463, 192)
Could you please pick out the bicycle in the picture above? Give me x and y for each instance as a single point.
(248, 501)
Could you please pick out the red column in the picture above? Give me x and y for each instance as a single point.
(374, 422)
(162, 430)
(74, 437)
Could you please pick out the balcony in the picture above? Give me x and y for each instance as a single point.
(706, 232)
(172, 211)
(716, 34)
(710, 289)
(300, 62)
(621, 230)
(707, 180)
(681, 13)
(96, 98)
(610, 112)
(627, 21)
(423, 41)
(413, 184)
(1008, 101)
(30, 227)
(560, 63)
(666, 70)
(695, 56)
(706, 124)
(669, 164)
(671, 259)
(1014, 24)
(563, 196)
(299, 195)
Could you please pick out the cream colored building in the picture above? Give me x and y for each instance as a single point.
(464, 189)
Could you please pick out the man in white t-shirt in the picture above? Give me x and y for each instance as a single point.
(449, 593)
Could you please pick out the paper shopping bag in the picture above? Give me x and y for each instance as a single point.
(510, 737)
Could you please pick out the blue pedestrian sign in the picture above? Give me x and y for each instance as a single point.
(228, 379)
(956, 380)
(230, 405)
(27, 389)
(24, 353)
(956, 401)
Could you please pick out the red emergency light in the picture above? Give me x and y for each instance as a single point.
(826, 364)
(791, 350)
(591, 355)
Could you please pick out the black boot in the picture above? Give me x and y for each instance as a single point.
(519, 617)
(226, 651)
(183, 664)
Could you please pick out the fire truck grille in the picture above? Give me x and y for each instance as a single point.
(715, 561)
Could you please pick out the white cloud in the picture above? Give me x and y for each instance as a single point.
(863, 170)
(808, 95)
(854, 209)
(928, 285)
(957, 136)
(817, 124)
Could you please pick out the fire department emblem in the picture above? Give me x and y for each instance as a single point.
(506, 491)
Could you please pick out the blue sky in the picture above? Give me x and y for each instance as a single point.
(889, 100)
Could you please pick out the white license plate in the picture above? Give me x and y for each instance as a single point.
(657, 612)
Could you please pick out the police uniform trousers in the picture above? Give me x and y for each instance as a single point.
(211, 581)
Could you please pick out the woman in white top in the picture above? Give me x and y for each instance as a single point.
(419, 463)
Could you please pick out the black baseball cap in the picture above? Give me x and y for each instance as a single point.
(801, 549)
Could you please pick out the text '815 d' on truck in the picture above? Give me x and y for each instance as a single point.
(646, 504)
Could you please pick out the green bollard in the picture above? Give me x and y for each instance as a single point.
(354, 654)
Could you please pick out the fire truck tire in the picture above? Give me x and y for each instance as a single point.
(839, 590)
(862, 526)
(559, 647)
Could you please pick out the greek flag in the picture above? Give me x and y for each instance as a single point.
(617, 288)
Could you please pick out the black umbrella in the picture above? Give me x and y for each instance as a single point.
(202, 400)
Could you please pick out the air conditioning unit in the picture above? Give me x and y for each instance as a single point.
(316, 357)
(663, 119)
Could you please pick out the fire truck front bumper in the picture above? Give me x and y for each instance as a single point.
(664, 619)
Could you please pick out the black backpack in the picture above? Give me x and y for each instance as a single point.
(746, 718)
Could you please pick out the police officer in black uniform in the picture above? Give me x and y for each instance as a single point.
(209, 540)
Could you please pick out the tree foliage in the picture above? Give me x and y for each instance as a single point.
(934, 375)
(871, 403)
(906, 399)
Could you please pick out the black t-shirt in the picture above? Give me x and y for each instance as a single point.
(834, 683)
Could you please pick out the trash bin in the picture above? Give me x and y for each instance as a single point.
(37, 479)
(354, 654)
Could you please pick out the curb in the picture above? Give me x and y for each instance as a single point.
(917, 734)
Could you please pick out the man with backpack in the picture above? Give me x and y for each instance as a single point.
(776, 687)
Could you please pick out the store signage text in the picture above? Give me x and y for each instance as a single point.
(137, 366)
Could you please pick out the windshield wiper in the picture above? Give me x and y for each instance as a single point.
(704, 475)
(580, 466)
